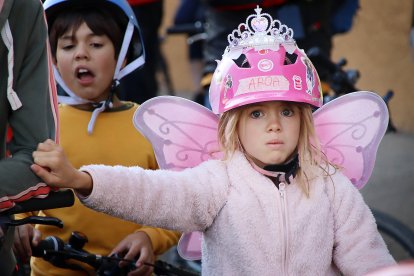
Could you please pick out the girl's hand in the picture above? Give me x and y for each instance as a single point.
(54, 168)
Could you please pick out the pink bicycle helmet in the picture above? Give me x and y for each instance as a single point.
(263, 63)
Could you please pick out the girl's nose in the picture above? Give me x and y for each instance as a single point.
(274, 123)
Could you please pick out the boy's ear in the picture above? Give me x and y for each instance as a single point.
(54, 61)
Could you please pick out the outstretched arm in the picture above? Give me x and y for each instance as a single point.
(184, 201)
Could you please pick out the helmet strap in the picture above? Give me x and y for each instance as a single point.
(102, 106)
(124, 48)
(279, 172)
(119, 71)
(72, 99)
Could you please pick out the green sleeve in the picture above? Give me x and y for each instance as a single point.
(35, 120)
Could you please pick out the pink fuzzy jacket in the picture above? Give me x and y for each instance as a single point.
(249, 226)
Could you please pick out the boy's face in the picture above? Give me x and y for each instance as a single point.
(269, 131)
(86, 63)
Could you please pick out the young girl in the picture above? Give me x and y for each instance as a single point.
(86, 39)
(273, 205)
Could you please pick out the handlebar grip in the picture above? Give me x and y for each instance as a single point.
(58, 199)
(55, 251)
(50, 243)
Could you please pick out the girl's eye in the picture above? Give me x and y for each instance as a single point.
(256, 114)
(287, 112)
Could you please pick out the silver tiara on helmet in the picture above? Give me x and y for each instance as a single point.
(261, 32)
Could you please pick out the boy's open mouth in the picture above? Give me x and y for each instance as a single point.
(83, 73)
(85, 76)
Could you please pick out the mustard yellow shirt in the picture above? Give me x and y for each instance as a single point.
(114, 141)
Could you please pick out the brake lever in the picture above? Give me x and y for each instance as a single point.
(5, 220)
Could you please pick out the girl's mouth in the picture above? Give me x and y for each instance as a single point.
(274, 144)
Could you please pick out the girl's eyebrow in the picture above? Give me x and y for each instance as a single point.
(286, 103)
(253, 105)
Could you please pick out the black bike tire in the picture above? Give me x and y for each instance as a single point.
(400, 232)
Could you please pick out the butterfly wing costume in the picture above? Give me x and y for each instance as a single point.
(184, 134)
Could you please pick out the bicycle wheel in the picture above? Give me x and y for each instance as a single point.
(398, 237)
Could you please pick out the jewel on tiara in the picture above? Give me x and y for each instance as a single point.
(260, 31)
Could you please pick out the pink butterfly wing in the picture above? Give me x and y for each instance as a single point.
(183, 135)
(182, 132)
(350, 129)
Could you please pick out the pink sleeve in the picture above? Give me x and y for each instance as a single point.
(184, 201)
(359, 248)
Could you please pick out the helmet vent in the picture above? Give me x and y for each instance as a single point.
(290, 58)
(242, 61)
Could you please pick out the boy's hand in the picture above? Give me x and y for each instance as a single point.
(54, 168)
(137, 246)
(24, 237)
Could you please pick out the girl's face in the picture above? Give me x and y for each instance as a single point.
(269, 131)
(86, 62)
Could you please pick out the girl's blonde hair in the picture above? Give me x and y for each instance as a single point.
(308, 148)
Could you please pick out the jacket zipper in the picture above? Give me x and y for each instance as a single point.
(282, 192)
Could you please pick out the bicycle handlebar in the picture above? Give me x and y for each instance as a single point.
(58, 199)
(55, 251)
